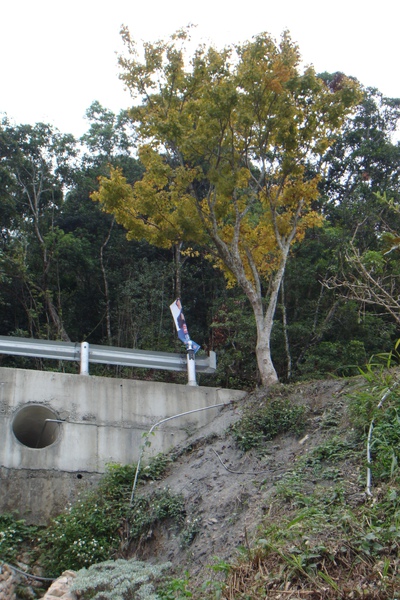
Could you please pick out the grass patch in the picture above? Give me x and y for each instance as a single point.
(263, 423)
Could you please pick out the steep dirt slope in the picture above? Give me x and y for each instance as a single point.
(227, 491)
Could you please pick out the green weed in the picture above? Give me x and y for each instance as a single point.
(176, 589)
(191, 528)
(14, 534)
(101, 523)
(266, 422)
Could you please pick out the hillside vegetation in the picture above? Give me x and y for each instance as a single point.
(68, 271)
(266, 197)
(272, 500)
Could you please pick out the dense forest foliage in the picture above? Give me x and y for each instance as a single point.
(68, 271)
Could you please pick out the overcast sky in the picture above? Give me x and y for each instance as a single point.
(57, 56)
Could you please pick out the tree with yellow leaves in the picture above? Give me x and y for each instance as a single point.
(230, 141)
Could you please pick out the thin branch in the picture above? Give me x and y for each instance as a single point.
(103, 270)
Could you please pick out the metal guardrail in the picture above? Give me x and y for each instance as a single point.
(112, 355)
(39, 348)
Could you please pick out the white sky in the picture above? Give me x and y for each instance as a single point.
(58, 56)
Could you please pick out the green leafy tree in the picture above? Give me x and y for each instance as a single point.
(35, 165)
(362, 166)
(108, 141)
(362, 192)
(228, 139)
(372, 277)
(323, 327)
(109, 136)
(363, 161)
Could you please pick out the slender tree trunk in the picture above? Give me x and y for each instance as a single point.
(231, 256)
(106, 292)
(178, 269)
(52, 312)
(264, 324)
(263, 353)
(55, 317)
(285, 331)
(264, 318)
(318, 333)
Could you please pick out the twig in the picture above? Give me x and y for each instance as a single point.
(28, 575)
(238, 472)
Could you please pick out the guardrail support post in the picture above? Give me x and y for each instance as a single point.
(191, 365)
(84, 358)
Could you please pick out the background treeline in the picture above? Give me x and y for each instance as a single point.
(68, 272)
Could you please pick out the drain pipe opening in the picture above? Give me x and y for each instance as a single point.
(36, 426)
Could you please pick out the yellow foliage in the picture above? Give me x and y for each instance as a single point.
(227, 139)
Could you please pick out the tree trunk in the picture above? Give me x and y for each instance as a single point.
(264, 324)
(230, 254)
(263, 353)
(55, 318)
(178, 268)
(105, 280)
(285, 332)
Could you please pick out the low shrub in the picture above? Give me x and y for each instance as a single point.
(119, 580)
(14, 533)
(266, 422)
(102, 523)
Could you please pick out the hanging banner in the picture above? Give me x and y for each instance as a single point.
(180, 324)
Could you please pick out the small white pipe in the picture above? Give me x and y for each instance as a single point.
(191, 364)
(84, 358)
(369, 478)
(153, 427)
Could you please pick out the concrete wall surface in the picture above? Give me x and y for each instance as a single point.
(102, 420)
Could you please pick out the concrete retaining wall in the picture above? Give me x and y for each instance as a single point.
(103, 421)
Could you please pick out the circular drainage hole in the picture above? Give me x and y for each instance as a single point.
(33, 426)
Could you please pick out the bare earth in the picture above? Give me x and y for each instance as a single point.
(228, 491)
